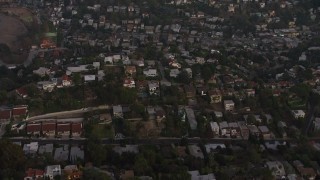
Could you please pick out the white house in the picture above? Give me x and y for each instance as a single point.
(154, 88)
(228, 105)
(174, 73)
(117, 111)
(52, 171)
(31, 148)
(316, 124)
(42, 71)
(277, 169)
(224, 129)
(150, 72)
(46, 85)
(215, 128)
(191, 118)
(298, 114)
(129, 83)
(108, 60)
(88, 78)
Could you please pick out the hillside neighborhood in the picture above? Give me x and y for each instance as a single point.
(178, 89)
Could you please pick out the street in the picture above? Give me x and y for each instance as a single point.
(154, 141)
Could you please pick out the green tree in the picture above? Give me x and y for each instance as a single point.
(12, 160)
(127, 96)
(183, 77)
(96, 150)
(94, 174)
(76, 78)
(3, 95)
(206, 73)
(141, 165)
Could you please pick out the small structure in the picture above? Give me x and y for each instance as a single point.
(215, 129)
(52, 171)
(195, 151)
(228, 105)
(276, 168)
(33, 174)
(191, 118)
(117, 111)
(265, 132)
(31, 148)
(297, 114)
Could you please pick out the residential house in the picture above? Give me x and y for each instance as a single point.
(191, 118)
(265, 132)
(190, 91)
(32, 174)
(218, 114)
(63, 129)
(89, 78)
(52, 171)
(117, 111)
(277, 169)
(307, 173)
(189, 71)
(21, 110)
(22, 92)
(195, 151)
(33, 128)
(46, 85)
(150, 72)
(66, 81)
(174, 73)
(76, 129)
(215, 129)
(126, 149)
(130, 71)
(228, 105)
(234, 129)
(48, 128)
(71, 172)
(195, 175)
(250, 92)
(244, 129)
(31, 148)
(129, 83)
(297, 114)
(215, 96)
(42, 71)
(253, 129)
(5, 113)
(154, 88)
(224, 129)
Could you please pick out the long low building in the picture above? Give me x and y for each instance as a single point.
(55, 128)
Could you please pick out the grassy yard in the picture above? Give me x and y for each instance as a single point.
(103, 131)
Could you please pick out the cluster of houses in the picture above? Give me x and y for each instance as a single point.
(51, 172)
(54, 129)
(7, 113)
(61, 153)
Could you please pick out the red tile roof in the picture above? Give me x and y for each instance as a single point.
(19, 110)
(34, 172)
(76, 127)
(5, 113)
(48, 126)
(63, 127)
(22, 92)
(34, 127)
